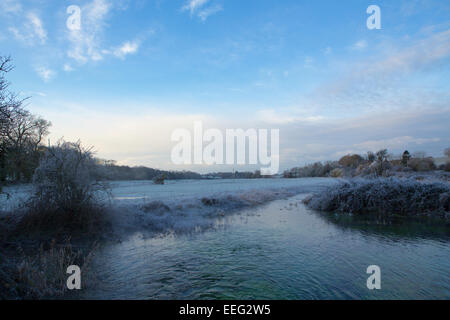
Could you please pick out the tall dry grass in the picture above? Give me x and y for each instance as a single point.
(43, 275)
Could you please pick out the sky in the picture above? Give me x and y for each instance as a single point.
(137, 70)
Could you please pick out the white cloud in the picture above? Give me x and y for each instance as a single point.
(380, 81)
(68, 68)
(412, 58)
(86, 42)
(273, 116)
(32, 30)
(37, 26)
(45, 73)
(359, 45)
(17, 34)
(10, 6)
(126, 137)
(394, 143)
(204, 14)
(199, 8)
(126, 49)
(194, 5)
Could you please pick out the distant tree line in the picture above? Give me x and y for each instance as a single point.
(380, 163)
(108, 170)
(236, 175)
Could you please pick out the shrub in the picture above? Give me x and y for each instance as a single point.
(155, 206)
(422, 164)
(388, 196)
(210, 201)
(336, 173)
(66, 190)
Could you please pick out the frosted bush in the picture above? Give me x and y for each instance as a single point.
(336, 173)
(66, 189)
(389, 196)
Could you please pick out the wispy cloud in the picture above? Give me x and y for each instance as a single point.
(86, 42)
(10, 6)
(395, 143)
(37, 26)
(381, 79)
(194, 5)
(359, 45)
(204, 14)
(129, 47)
(68, 68)
(422, 53)
(32, 30)
(200, 8)
(45, 73)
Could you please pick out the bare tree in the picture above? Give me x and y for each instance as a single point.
(21, 132)
(10, 108)
(25, 136)
(370, 156)
(382, 157)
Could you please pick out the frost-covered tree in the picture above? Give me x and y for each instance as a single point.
(382, 157)
(66, 187)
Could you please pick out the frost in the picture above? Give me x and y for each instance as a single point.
(392, 196)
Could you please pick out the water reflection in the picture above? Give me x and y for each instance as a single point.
(391, 229)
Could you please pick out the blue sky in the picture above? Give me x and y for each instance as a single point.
(138, 69)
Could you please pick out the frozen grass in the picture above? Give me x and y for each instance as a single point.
(42, 275)
(190, 206)
(385, 196)
(189, 215)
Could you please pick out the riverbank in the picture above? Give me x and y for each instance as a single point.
(387, 197)
(279, 250)
(142, 209)
(179, 207)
